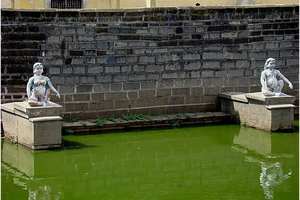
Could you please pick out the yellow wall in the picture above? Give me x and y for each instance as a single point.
(163, 3)
(105, 4)
(23, 4)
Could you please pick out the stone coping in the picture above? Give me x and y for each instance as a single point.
(280, 106)
(236, 96)
(259, 98)
(23, 109)
(149, 9)
(270, 100)
(161, 121)
(45, 119)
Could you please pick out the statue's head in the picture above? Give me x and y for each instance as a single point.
(38, 68)
(270, 63)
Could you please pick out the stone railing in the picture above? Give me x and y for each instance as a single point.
(151, 61)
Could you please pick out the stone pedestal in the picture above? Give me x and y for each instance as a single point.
(274, 113)
(33, 127)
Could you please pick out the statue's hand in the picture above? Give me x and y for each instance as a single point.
(58, 95)
(291, 86)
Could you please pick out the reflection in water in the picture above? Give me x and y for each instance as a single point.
(19, 161)
(271, 176)
(262, 144)
(184, 163)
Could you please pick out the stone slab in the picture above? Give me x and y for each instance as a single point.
(24, 109)
(237, 96)
(270, 100)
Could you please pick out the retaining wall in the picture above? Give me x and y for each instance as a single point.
(150, 61)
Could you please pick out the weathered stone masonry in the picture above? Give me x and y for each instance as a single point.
(161, 60)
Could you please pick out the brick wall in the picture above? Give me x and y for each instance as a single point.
(160, 60)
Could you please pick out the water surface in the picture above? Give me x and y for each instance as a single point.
(208, 162)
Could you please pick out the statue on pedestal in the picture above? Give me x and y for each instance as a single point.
(39, 87)
(271, 86)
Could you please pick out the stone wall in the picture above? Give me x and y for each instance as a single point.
(150, 61)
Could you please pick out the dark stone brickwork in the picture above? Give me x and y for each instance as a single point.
(151, 61)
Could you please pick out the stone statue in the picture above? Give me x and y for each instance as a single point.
(271, 86)
(39, 87)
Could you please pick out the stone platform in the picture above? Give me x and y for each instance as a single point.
(272, 114)
(33, 127)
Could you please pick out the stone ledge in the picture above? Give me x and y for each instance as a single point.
(23, 109)
(163, 121)
(236, 96)
(280, 106)
(270, 100)
(45, 119)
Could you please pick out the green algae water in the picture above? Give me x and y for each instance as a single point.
(208, 162)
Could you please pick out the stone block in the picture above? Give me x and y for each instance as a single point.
(121, 104)
(81, 97)
(146, 93)
(33, 127)
(176, 100)
(161, 101)
(132, 86)
(76, 106)
(136, 103)
(192, 66)
(87, 79)
(236, 73)
(103, 105)
(95, 70)
(115, 95)
(153, 77)
(137, 77)
(132, 94)
(120, 78)
(116, 87)
(148, 84)
(212, 65)
(196, 90)
(212, 55)
(259, 98)
(255, 110)
(104, 78)
(66, 89)
(79, 70)
(167, 58)
(154, 68)
(180, 91)
(97, 96)
(170, 75)
(84, 88)
(147, 59)
(192, 99)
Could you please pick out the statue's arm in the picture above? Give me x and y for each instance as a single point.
(28, 88)
(263, 80)
(284, 79)
(52, 88)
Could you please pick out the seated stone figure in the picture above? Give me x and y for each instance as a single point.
(271, 86)
(39, 87)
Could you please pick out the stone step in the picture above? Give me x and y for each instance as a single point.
(161, 121)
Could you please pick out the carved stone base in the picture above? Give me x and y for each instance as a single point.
(274, 113)
(33, 127)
